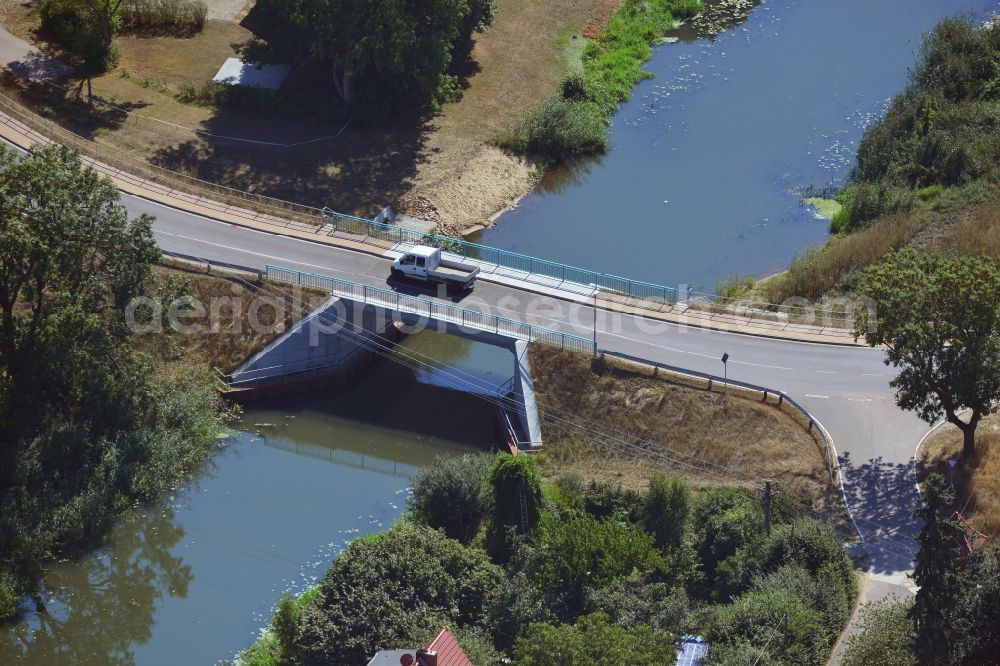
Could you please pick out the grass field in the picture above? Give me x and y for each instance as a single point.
(977, 483)
(744, 441)
(442, 166)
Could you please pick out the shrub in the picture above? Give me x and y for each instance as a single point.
(605, 499)
(634, 602)
(511, 481)
(865, 202)
(164, 15)
(559, 129)
(775, 623)
(9, 595)
(957, 60)
(447, 495)
(723, 521)
(886, 636)
(593, 641)
(586, 553)
(380, 586)
(665, 510)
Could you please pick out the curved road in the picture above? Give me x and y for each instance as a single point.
(844, 387)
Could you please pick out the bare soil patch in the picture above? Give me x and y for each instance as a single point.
(708, 438)
(977, 481)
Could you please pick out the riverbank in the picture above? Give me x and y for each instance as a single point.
(927, 174)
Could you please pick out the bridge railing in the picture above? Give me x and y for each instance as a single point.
(436, 310)
(513, 261)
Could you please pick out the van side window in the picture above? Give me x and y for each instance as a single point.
(408, 260)
(420, 262)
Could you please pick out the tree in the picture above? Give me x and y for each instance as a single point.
(378, 589)
(88, 27)
(665, 510)
(596, 642)
(939, 318)
(447, 495)
(936, 572)
(585, 553)
(69, 257)
(386, 48)
(513, 495)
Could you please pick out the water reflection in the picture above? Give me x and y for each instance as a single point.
(105, 602)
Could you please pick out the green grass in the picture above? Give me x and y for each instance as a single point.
(567, 125)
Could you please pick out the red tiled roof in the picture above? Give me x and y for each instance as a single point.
(973, 540)
(449, 653)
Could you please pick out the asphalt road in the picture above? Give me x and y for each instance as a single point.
(845, 388)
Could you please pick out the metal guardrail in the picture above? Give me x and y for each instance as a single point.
(812, 424)
(405, 304)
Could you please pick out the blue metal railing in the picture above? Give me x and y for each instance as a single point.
(403, 303)
(359, 226)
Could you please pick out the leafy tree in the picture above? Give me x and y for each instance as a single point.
(936, 572)
(69, 257)
(513, 483)
(886, 636)
(384, 49)
(665, 510)
(631, 602)
(723, 521)
(593, 641)
(380, 586)
(605, 499)
(447, 495)
(88, 27)
(977, 635)
(939, 318)
(586, 553)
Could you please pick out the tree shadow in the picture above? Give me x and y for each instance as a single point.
(72, 104)
(882, 496)
(38, 66)
(350, 168)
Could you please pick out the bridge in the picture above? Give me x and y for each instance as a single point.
(846, 387)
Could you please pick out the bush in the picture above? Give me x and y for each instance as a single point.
(595, 642)
(665, 510)
(631, 603)
(9, 595)
(164, 15)
(382, 588)
(586, 553)
(605, 499)
(447, 495)
(71, 25)
(775, 624)
(886, 636)
(559, 129)
(723, 521)
(864, 202)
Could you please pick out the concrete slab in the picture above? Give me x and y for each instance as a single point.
(524, 385)
(235, 72)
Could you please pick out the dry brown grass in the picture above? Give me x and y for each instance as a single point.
(977, 234)
(744, 440)
(823, 269)
(977, 481)
(234, 339)
(447, 160)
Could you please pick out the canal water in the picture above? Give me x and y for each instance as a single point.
(192, 579)
(710, 159)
